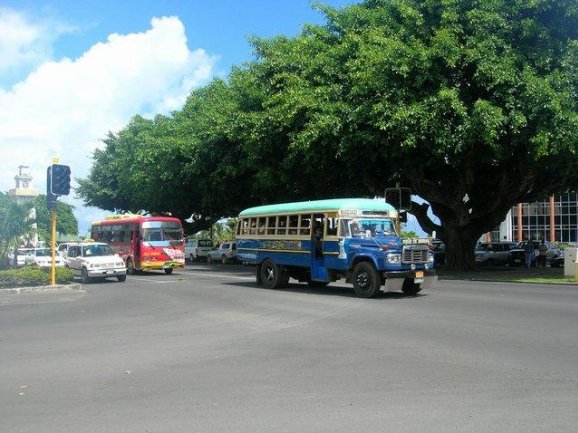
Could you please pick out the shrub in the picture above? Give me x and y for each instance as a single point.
(30, 276)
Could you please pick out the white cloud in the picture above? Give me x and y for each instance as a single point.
(65, 107)
(24, 42)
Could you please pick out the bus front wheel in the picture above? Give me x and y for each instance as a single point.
(274, 276)
(168, 271)
(366, 280)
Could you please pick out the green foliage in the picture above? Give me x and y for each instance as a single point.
(31, 276)
(454, 99)
(15, 224)
(66, 222)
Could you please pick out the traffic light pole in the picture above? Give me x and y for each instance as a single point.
(53, 247)
(57, 184)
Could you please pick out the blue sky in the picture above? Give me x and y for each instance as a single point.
(72, 70)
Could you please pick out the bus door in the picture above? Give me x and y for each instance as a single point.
(137, 240)
(318, 268)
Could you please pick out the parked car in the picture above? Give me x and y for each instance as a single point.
(21, 254)
(42, 257)
(92, 260)
(62, 248)
(558, 262)
(517, 256)
(494, 253)
(196, 249)
(226, 252)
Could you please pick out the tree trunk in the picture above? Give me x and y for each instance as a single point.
(460, 248)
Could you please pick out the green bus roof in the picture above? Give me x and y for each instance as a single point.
(334, 204)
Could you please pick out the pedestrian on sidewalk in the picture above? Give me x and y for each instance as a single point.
(542, 254)
(529, 253)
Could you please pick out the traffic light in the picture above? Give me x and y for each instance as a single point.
(405, 198)
(399, 198)
(58, 179)
(392, 197)
(403, 217)
(51, 201)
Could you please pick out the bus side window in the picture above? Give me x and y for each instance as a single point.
(305, 225)
(271, 225)
(261, 222)
(293, 224)
(244, 226)
(331, 226)
(253, 224)
(281, 227)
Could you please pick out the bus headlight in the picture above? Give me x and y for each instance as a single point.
(393, 258)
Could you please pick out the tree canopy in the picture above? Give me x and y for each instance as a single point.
(471, 104)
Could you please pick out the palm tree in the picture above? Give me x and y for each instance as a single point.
(15, 224)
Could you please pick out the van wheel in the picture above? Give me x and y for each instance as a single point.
(224, 259)
(274, 276)
(366, 280)
(84, 276)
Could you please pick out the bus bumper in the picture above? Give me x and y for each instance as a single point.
(394, 280)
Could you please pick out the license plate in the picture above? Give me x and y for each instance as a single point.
(419, 274)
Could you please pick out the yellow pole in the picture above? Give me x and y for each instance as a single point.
(53, 246)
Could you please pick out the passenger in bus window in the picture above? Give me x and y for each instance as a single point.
(356, 228)
(318, 237)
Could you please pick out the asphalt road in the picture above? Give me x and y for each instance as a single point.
(206, 350)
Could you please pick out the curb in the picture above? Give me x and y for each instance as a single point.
(57, 288)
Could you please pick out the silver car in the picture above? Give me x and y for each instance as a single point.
(494, 253)
(225, 253)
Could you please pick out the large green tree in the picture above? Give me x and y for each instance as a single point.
(472, 104)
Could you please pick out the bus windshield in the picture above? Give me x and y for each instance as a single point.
(162, 233)
(367, 227)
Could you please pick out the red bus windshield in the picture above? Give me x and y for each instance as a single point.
(162, 233)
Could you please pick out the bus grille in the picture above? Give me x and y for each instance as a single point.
(414, 254)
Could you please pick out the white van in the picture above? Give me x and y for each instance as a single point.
(195, 249)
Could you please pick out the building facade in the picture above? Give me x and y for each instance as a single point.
(554, 220)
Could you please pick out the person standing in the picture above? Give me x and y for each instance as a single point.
(542, 254)
(529, 253)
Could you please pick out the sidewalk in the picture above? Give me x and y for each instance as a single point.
(54, 289)
(504, 273)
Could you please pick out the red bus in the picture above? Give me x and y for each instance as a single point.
(144, 242)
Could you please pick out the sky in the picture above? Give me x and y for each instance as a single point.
(73, 70)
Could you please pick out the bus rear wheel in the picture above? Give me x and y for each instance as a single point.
(274, 276)
(366, 280)
(130, 267)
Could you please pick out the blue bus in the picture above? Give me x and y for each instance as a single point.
(325, 240)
